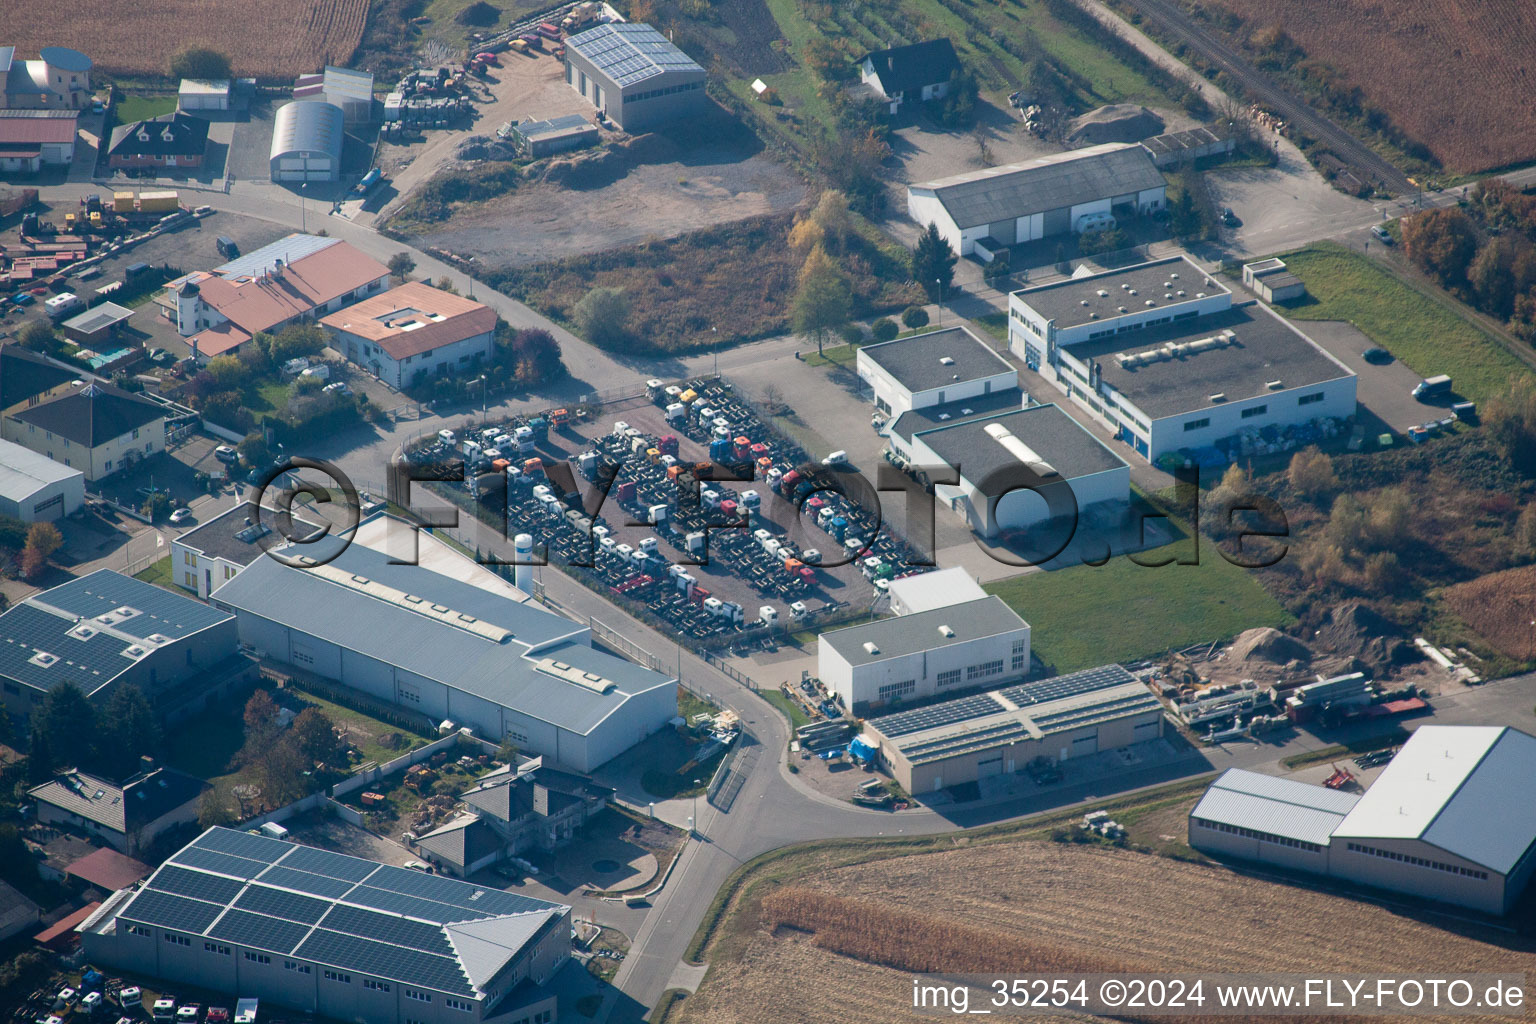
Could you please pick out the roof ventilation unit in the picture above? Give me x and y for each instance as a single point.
(947, 631)
(1274, 385)
(946, 361)
(1220, 396)
(1149, 302)
(870, 648)
(1103, 294)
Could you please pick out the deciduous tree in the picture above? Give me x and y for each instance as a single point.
(602, 315)
(822, 302)
(1442, 243)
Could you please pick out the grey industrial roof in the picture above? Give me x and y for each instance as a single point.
(462, 841)
(24, 472)
(915, 421)
(98, 318)
(235, 535)
(1048, 183)
(1077, 301)
(44, 641)
(1278, 279)
(290, 249)
(917, 362)
(124, 808)
(554, 126)
(505, 674)
(1280, 807)
(1463, 789)
(308, 126)
(630, 52)
(1050, 433)
(1266, 348)
(909, 634)
(355, 915)
(1194, 138)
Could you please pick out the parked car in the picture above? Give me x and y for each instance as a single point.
(837, 458)
(1382, 234)
(188, 1014)
(1229, 218)
(1377, 355)
(181, 515)
(217, 1015)
(226, 454)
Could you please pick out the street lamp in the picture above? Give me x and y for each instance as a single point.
(696, 830)
(303, 206)
(482, 398)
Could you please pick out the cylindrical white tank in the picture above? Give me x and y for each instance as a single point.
(522, 572)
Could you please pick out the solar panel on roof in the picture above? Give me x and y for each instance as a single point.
(224, 863)
(164, 910)
(258, 899)
(243, 844)
(947, 713)
(369, 957)
(411, 906)
(1069, 685)
(197, 884)
(323, 862)
(304, 881)
(267, 933)
(451, 891)
(428, 938)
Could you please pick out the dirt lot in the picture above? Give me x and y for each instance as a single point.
(1066, 905)
(1499, 607)
(1469, 98)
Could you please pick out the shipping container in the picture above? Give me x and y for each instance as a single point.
(158, 202)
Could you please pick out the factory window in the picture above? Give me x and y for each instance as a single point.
(302, 657)
(377, 986)
(1255, 410)
(1096, 335)
(1418, 861)
(214, 947)
(1316, 396)
(986, 668)
(345, 979)
(179, 940)
(1186, 316)
(949, 678)
(138, 929)
(458, 1004)
(420, 997)
(294, 965)
(1020, 655)
(895, 691)
(1199, 424)
(517, 737)
(260, 958)
(1263, 837)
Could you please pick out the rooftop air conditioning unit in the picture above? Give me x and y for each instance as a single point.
(1220, 396)
(871, 648)
(946, 361)
(1275, 385)
(946, 631)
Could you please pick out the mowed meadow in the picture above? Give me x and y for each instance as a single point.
(269, 39)
(1456, 75)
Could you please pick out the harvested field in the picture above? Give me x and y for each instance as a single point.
(1500, 607)
(1467, 98)
(822, 949)
(274, 39)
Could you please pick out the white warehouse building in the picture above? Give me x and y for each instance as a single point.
(939, 367)
(1448, 820)
(944, 650)
(1159, 353)
(1052, 195)
(435, 642)
(307, 140)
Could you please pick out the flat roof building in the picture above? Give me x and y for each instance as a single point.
(435, 643)
(414, 333)
(1000, 732)
(909, 657)
(105, 629)
(307, 141)
(1271, 281)
(197, 94)
(205, 557)
(1050, 195)
(1161, 355)
(940, 366)
(926, 591)
(333, 935)
(35, 488)
(98, 325)
(1438, 823)
(1020, 469)
(556, 135)
(634, 75)
(1177, 148)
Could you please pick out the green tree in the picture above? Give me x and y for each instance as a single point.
(884, 329)
(43, 539)
(1184, 216)
(1096, 243)
(254, 452)
(156, 506)
(201, 62)
(400, 265)
(1442, 244)
(36, 335)
(130, 730)
(1311, 473)
(260, 715)
(216, 808)
(933, 264)
(1492, 277)
(66, 722)
(822, 302)
(314, 735)
(602, 315)
(914, 317)
(1510, 419)
(228, 373)
(297, 340)
(40, 756)
(825, 60)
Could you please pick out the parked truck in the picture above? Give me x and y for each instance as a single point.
(372, 178)
(1432, 386)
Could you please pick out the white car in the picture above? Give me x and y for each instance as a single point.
(181, 515)
(837, 458)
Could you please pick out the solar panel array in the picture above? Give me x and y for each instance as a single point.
(1070, 685)
(934, 715)
(630, 52)
(343, 912)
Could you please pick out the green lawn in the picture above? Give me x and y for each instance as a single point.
(364, 730)
(1428, 336)
(788, 708)
(1121, 611)
(159, 574)
(995, 324)
(138, 108)
(837, 355)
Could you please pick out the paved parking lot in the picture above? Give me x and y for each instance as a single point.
(1386, 392)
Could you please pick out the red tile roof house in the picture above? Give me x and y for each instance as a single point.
(265, 290)
(414, 333)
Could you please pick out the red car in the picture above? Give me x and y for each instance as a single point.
(217, 1015)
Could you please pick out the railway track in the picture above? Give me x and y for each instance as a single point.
(1271, 95)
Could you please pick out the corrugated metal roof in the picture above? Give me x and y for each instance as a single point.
(24, 472)
(308, 126)
(1048, 183)
(1281, 807)
(1464, 789)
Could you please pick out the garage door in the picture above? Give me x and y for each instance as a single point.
(1057, 222)
(1085, 745)
(992, 767)
(1004, 231)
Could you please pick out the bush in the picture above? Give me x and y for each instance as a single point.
(914, 317)
(602, 315)
(852, 334)
(884, 329)
(478, 14)
(199, 62)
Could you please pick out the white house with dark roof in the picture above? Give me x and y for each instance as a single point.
(918, 72)
(414, 333)
(938, 367)
(1050, 195)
